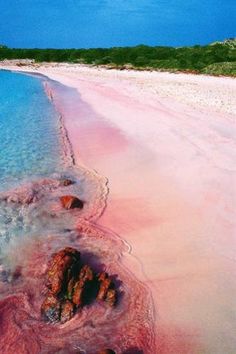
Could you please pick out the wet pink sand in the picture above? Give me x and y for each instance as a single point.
(166, 143)
(127, 327)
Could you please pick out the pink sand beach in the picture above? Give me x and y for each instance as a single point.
(167, 145)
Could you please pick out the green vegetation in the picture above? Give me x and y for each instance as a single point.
(218, 58)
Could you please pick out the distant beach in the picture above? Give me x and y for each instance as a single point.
(165, 145)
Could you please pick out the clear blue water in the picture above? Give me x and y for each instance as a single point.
(29, 130)
(30, 147)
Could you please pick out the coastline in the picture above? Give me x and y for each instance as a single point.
(145, 199)
(98, 245)
(110, 67)
(142, 79)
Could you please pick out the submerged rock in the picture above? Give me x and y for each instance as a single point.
(66, 182)
(71, 285)
(32, 192)
(71, 202)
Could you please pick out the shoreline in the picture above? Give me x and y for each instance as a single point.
(50, 70)
(154, 189)
(95, 223)
(87, 228)
(67, 147)
(36, 65)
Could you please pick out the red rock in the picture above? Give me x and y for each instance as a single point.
(105, 284)
(111, 297)
(55, 310)
(102, 276)
(67, 311)
(106, 290)
(51, 308)
(72, 285)
(77, 297)
(70, 288)
(63, 264)
(71, 202)
(86, 276)
(107, 351)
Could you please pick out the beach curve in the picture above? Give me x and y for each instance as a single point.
(170, 197)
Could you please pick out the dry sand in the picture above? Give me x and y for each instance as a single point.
(166, 142)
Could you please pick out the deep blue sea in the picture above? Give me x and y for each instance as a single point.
(29, 130)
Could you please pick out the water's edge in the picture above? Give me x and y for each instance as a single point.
(87, 232)
(127, 247)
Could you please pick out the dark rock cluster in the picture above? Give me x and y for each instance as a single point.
(71, 285)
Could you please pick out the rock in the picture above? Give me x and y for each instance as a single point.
(67, 311)
(107, 351)
(71, 202)
(55, 310)
(106, 290)
(86, 274)
(72, 285)
(78, 291)
(82, 286)
(104, 286)
(50, 308)
(70, 288)
(66, 182)
(105, 283)
(111, 297)
(63, 265)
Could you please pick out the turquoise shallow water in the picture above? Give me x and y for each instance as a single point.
(29, 130)
(34, 156)
(30, 146)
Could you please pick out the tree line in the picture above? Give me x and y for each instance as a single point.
(197, 58)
